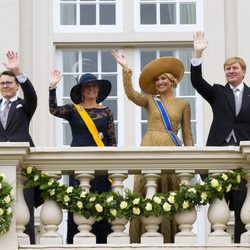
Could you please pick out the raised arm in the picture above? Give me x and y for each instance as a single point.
(134, 96)
(200, 44)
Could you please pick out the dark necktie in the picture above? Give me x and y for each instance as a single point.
(4, 113)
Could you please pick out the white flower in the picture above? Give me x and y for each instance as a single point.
(238, 178)
(219, 188)
(7, 199)
(98, 208)
(136, 210)
(149, 207)
(185, 204)
(229, 188)
(136, 201)
(123, 204)
(224, 177)
(92, 198)
(9, 210)
(61, 184)
(157, 199)
(173, 194)
(1, 211)
(36, 177)
(203, 196)
(113, 212)
(109, 199)
(29, 170)
(83, 194)
(214, 183)
(51, 181)
(79, 204)
(202, 183)
(52, 192)
(11, 192)
(66, 198)
(171, 199)
(192, 190)
(3, 175)
(69, 190)
(167, 207)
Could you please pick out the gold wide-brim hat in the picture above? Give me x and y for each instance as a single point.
(157, 67)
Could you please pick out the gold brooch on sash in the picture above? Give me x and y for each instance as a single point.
(80, 107)
(100, 135)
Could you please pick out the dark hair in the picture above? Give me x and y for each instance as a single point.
(9, 73)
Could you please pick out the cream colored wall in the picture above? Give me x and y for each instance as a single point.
(27, 26)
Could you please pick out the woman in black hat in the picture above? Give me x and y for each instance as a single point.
(83, 115)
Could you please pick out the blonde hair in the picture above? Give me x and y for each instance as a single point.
(235, 59)
(172, 79)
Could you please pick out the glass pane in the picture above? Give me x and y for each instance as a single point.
(70, 59)
(112, 104)
(68, 82)
(66, 101)
(116, 132)
(108, 62)
(88, 14)
(107, 14)
(185, 56)
(89, 61)
(144, 115)
(187, 13)
(166, 53)
(192, 102)
(144, 127)
(146, 57)
(193, 129)
(148, 13)
(167, 13)
(113, 80)
(67, 137)
(68, 14)
(186, 88)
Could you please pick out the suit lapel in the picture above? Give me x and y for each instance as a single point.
(11, 112)
(245, 98)
(230, 97)
(1, 125)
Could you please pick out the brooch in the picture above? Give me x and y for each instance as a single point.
(80, 107)
(100, 135)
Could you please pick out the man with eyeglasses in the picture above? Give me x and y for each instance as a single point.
(15, 116)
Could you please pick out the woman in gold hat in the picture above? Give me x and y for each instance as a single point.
(166, 115)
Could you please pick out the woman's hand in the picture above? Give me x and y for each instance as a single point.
(200, 44)
(120, 59)
(55, 77)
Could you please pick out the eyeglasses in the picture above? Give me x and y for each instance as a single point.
(2, 84)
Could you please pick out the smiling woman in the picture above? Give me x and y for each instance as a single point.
(166, 114)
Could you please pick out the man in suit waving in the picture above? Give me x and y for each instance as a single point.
(231, 108)
(15, 116)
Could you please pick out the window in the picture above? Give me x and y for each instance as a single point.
(87, 15)
(74, 63)
(184, 89)
(168, 15)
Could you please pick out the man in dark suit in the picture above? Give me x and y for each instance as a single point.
(231, 108)
(15, 116)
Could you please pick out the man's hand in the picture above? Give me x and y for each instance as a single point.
(12, 63)
(200, 44)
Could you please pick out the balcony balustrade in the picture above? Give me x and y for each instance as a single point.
(119, 163)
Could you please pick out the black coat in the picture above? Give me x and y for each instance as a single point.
(221, 100)
(20, 114)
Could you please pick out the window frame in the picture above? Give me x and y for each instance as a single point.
(58, 28)
(169, 27)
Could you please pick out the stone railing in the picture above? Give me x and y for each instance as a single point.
(118, 163)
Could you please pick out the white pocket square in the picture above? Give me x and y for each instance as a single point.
(19, 106)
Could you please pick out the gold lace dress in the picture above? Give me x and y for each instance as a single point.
(156, 135)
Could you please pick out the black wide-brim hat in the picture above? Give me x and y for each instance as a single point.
(104, 88)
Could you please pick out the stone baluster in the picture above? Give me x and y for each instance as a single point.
(218, 216)
(185, 219)
(245, 212)
(152, 236)
(118, 236)
(22, 211)
(84, 224)
(51, 217)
